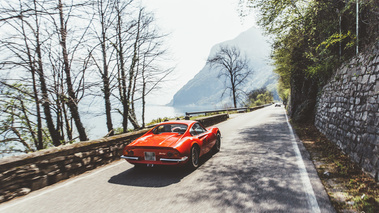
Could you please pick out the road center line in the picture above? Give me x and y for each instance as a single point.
(311, 197)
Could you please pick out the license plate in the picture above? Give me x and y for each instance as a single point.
(150, 156)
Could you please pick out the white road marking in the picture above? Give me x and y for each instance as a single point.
(311, 197)
(54, 188)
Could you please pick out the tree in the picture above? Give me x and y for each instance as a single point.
(234, 67)
(259, 97)
(133, 72)
(104, 10)
(24, 48)
(72, 101)
(138, 46)
(49, 47)
(18, 127)
(151, 74)
(120, 46)
(312, 39)
(148, 74)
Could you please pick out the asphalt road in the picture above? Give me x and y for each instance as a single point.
(261, 167)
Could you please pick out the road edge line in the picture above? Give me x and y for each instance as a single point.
(311, 197)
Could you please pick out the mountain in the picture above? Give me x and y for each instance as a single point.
(206, 89)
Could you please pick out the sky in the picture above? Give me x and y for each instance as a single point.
(195, 26)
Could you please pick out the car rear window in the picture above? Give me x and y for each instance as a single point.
(177, 128)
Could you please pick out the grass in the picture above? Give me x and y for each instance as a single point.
(349, 189)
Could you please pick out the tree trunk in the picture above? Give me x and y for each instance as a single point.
(67, 122)
(45, 97)
(46, 108)
(232, 83)
(105, 76)
(143, 102)
(72, 101)
(132, 75)
(108, 107)
(39, 142)
(122, 76)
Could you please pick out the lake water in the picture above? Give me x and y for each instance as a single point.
(96, 125)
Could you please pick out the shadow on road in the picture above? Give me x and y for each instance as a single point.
(158, 176)
(255, 172)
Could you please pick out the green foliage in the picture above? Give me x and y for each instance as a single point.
(120, 130)
(366, 203)
(313, 38)
(17, 126)
(284, 92)
(259, 97)
(159, 120)
(324, 59)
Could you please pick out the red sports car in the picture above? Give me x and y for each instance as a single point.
(173, 143)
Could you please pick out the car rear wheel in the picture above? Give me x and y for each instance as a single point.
(216, 148)
(194, 158)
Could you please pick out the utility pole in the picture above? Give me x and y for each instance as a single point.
(340, 33)
(357, 26)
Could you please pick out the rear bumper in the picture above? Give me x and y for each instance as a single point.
(176, 160)
(161, 161)
(128, 157)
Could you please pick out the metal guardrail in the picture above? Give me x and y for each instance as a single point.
(227, 110)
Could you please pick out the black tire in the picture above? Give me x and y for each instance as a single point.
(216, 148)
(193, 162)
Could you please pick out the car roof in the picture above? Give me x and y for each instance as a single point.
(187, 122)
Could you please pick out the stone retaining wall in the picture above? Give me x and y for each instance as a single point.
(348, 110)
(212, 120)
(20, 175)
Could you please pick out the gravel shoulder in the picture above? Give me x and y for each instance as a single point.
(349, 188)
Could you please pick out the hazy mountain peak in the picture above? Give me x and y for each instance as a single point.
(206, 88)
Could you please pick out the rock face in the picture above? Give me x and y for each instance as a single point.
(348, 110)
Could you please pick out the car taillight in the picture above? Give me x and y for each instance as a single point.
(130, 152)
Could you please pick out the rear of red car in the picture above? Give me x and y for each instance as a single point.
(153, 155)
(173, 143)
(163, 145)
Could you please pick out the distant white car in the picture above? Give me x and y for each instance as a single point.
(278, 105)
